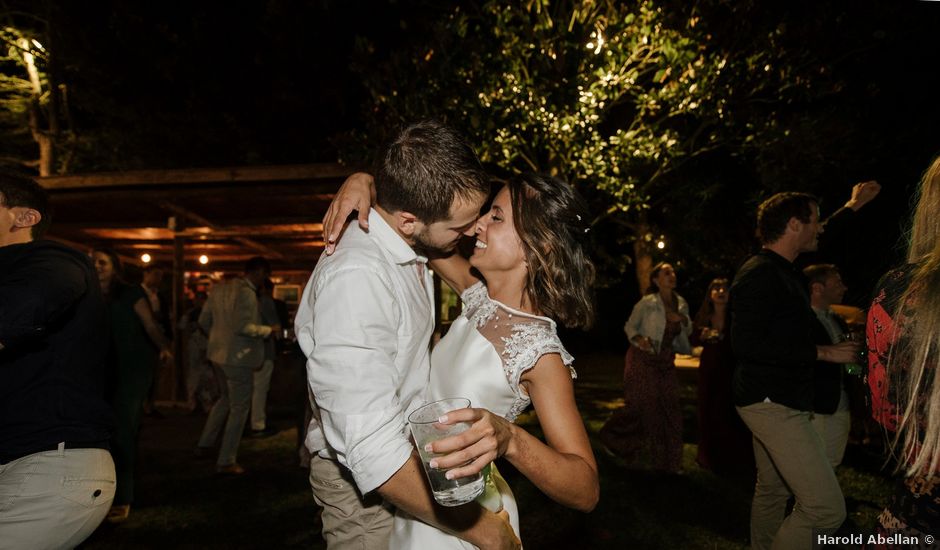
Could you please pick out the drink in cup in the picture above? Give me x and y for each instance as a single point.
(426, 429)
(853, 368)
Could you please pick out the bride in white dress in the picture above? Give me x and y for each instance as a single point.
(503, 352)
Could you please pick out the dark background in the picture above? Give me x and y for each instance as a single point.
(195, 84)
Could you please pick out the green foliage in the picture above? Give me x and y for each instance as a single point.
(612, 94)
(625, 100)
(17, 92)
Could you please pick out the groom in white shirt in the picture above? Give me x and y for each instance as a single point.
(365, 322)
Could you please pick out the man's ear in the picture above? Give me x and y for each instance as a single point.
(794, 224)
(24, 218)
(408, 224)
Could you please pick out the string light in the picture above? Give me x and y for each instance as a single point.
(146, 258)
(203, 259)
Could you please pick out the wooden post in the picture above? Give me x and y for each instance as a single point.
(176, 311)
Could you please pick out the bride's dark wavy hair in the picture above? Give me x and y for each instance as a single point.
(552, 221)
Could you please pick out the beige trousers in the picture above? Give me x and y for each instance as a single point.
(791, 460)
(54, 499)
(261, 383)
(350, 521)
(834, 430)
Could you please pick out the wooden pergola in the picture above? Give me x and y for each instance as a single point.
(176, 216)
(226, 214)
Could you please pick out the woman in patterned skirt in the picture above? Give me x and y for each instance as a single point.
(658, 327)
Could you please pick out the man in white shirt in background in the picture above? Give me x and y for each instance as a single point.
(365, 322)
(232, 319)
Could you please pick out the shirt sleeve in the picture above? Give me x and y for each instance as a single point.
(632, 327)
(35, 294)
(348, 328)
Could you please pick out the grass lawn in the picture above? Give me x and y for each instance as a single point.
(182, 504)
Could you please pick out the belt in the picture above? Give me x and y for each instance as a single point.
(101, 444)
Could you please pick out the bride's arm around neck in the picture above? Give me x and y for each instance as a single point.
(455, 271)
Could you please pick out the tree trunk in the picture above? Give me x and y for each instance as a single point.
(41, 136)
(643, 254)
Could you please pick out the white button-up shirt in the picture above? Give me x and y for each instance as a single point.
(365, 323)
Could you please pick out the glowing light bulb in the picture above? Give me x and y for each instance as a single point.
(146, 258)
(660, 244)
(203, 259)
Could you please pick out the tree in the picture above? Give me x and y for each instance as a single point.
(34, 114)
(622, 99)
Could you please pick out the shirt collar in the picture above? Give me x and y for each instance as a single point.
(400, 251)
(782, 262)
(827, 312)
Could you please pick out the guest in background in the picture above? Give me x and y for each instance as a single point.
(724, 444)
(771, 330)
(137, 346)
(232, 318)
(150, 283)
(903, 355)
(658, 327)
(831, 415)
(201, 386)
(261, 379)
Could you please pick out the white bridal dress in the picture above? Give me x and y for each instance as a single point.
(482, 357)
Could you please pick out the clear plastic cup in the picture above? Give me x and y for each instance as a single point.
(426, 429)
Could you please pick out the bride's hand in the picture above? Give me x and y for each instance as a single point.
(357, 193)
(489, 436)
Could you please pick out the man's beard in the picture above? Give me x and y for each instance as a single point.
(431, 250)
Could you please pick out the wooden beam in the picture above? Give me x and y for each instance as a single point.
(296, 224)
(197, 234)
(190, 176)
(192, 216)
(308, 192)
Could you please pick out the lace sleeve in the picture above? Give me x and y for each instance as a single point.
(527, 344)
(474, 295)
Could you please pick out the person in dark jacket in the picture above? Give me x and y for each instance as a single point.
(832, 417)
(57, 478)
(771, 333)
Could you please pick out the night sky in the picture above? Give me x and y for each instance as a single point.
(178, 84)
